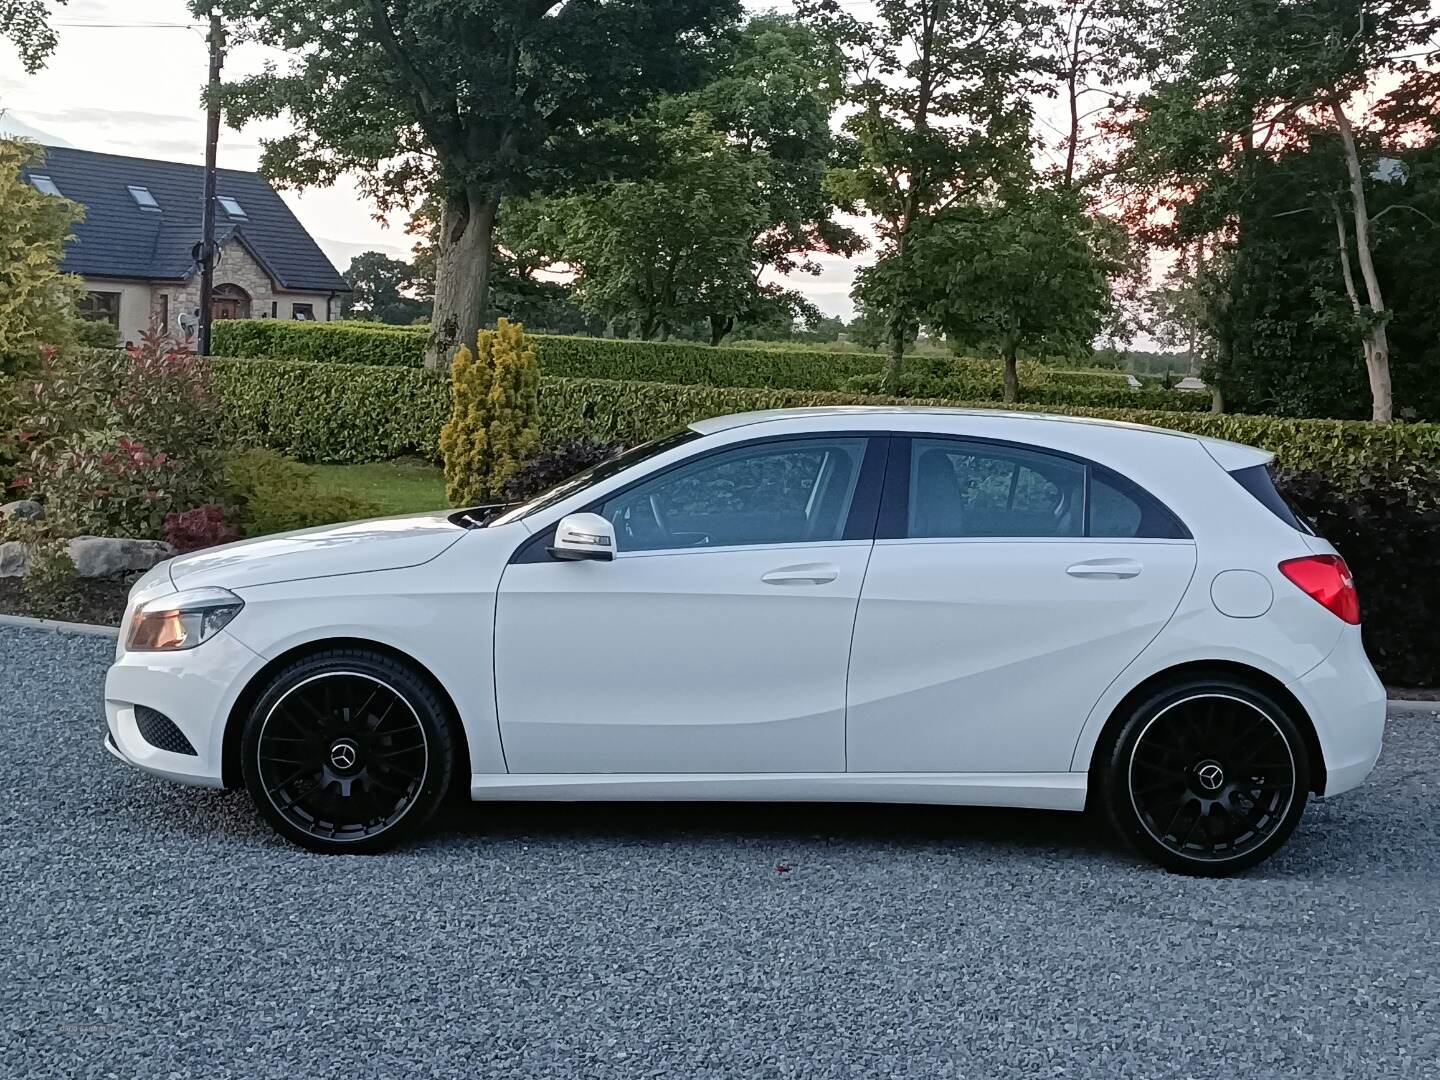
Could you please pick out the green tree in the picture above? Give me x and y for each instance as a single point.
(940, 98)
(1095, 47)
(387, 290)
(37, 301)
(675, 247)
(475, 100)
(1029, 275)
(1240, 83)
(494, 423)
(26, 25)
(773, 100)
(765, 121)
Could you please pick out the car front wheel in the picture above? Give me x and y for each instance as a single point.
(348, 751)
(1206, 777)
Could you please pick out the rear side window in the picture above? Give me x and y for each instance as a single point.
(971, 488)
(1259, 482)
(974, 489)
(1121, 509)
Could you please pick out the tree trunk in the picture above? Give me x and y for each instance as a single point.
(1012, 378)
(719, 327)
(1217, 399)
(1377, 342)
(897, 357)
(462, 275)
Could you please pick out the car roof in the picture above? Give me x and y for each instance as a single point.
(1229, 455)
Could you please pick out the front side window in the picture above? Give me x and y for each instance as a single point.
(961, 489)
(784, 492)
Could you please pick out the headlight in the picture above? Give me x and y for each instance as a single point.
(182, 620)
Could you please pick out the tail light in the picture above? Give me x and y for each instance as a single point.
(1327, 580)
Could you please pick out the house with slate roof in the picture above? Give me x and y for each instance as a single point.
(135, 249)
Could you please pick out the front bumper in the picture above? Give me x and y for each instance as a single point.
(1346, 701)
(196, 688)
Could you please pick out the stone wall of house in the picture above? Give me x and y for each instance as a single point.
(236, 267)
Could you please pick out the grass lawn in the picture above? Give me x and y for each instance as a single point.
(396, 487)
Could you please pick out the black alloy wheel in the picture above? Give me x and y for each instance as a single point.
(1207, 778)
(348, 750)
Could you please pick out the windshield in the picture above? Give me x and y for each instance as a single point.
(595, 474)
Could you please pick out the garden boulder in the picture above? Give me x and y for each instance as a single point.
(14, 557)
(22, 510)
(100, 556)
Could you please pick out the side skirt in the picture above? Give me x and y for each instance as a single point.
(1040, 791)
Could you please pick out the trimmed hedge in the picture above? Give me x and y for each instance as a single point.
(675, 362)
(984, 382)
(354, 413)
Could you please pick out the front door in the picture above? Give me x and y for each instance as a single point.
(1006, 592)
(717, 640)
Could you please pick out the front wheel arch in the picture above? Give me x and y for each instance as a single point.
(230, 767)
(1223, 669)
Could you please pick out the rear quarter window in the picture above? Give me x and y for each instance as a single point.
(1260, 482)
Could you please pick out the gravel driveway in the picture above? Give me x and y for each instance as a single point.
(153, 930)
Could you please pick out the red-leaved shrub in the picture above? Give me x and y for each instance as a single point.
(199, 527)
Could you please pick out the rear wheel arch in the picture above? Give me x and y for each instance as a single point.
(1220, 669)
(230, 768)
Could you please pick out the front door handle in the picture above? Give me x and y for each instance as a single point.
(1105, 568)
(804, 574)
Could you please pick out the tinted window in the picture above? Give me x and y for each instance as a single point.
(974, 489)
(1120, 509)
(1258, 481)
(794, 491)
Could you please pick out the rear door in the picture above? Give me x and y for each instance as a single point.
(1008, 587)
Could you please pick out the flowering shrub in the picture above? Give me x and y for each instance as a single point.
(200, 527)
(110, 486)
(114, 442)
(163, 397)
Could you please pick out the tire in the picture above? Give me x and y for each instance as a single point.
(348, 751)
(1207, 777)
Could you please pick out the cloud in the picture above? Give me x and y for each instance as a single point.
(90, 114)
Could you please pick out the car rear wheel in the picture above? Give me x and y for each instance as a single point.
(348, 751)
(1206, 777)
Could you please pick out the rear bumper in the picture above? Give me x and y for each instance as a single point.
(1346, 701)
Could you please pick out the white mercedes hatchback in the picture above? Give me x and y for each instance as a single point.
(858, 604)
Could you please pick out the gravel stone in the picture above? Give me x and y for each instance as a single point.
(156, 930)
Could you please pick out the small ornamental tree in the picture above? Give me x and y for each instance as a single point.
(494, 414)
(37, 300)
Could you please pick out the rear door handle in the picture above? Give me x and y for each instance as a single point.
(803, 574)
(1105, 568)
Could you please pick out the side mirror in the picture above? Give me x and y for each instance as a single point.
(584, 536)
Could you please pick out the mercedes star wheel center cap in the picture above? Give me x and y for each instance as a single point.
(344, 754)
(1210, 775)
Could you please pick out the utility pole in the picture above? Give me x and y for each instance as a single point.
(212, 140)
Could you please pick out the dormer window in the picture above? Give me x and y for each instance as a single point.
(43, 184)
(232, 207)
(143, 198)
